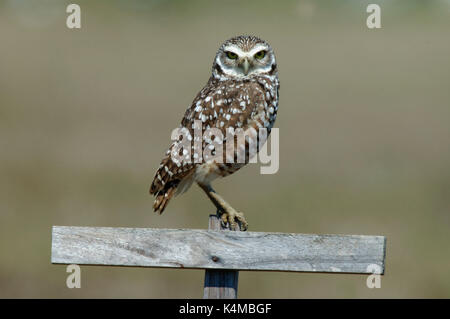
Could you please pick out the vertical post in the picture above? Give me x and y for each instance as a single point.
(220, 284)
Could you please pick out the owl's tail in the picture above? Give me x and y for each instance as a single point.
(169, 180)
(163, 197)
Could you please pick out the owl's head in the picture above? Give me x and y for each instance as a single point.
(243, 57)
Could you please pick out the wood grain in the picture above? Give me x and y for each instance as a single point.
(206, 249)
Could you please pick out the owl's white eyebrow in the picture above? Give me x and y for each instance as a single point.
(233, 50)
(257, 49)
(239, 52)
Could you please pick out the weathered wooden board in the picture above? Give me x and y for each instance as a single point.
(206, 249)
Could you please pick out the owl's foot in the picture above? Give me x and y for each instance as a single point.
(233, 219)
(228, 215)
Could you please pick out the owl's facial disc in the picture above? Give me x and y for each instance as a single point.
(238, 63)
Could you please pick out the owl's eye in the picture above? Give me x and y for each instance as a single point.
(231, 55)
(259, 55)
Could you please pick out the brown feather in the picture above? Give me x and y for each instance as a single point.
(163, 197)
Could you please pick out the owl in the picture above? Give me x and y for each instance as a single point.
(241, 94)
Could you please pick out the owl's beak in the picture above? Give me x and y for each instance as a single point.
(245, 66)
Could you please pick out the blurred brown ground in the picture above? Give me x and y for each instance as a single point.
(85, 116)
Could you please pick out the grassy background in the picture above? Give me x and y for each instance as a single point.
(85, 117)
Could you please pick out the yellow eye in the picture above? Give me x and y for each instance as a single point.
(231, 55)
(261, 54)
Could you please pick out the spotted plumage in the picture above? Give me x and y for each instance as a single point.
(241, 93)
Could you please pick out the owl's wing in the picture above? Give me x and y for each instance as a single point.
(220, 105)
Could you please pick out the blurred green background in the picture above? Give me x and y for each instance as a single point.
(86, 116)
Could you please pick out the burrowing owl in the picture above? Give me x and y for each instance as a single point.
(242, 92)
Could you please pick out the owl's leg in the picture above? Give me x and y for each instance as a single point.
(228, 214)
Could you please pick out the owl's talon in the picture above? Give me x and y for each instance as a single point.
(235, 220)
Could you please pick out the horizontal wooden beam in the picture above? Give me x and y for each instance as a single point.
(206, 249)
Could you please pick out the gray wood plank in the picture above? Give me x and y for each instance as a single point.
(195, 248)
(220, 283)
